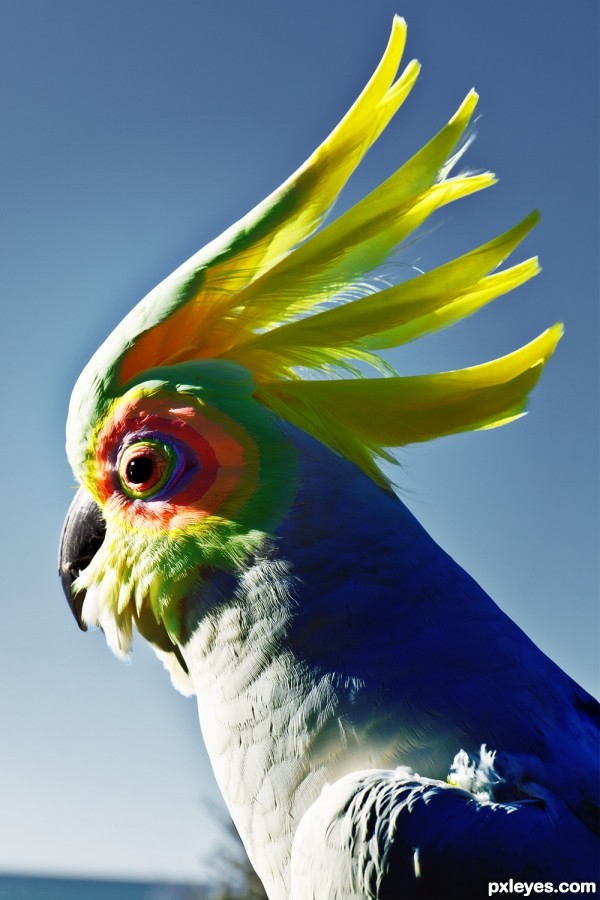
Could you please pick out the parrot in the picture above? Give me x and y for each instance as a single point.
(377, 725)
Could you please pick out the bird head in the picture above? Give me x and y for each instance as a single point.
(190, 473)
(178, 427)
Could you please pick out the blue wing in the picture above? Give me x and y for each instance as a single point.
(395, 835)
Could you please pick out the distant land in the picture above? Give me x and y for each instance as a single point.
(16, 887)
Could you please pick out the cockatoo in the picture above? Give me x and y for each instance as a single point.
(377, 725)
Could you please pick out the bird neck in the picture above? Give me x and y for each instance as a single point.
(276, 676)
(260, 711)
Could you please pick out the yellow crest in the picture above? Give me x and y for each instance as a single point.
(274, 296)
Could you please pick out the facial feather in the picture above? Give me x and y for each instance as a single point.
(230, 483)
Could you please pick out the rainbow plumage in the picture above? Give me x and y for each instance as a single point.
(234, 511)
(257, 296)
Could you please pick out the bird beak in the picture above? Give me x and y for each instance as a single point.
(81, 538)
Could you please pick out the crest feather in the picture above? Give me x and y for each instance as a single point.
(361, 418)
(257, 296)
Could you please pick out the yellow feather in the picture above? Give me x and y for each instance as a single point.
(256, 296)
(197, 299)
(363, 237)
(398, 314)
(360, 418)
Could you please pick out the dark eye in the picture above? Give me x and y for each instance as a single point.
(140, 469)
(145, 468)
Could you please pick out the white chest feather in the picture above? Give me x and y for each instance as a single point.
(269, 723)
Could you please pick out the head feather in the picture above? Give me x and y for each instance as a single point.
(255, 296)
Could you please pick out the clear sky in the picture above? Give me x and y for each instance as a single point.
(132, 133)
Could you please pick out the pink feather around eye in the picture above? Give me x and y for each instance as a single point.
(217, 476)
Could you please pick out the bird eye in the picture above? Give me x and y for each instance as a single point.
(145, 468)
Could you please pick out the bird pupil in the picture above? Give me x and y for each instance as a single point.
(139, 469)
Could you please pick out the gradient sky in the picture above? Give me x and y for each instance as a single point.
(133, 132)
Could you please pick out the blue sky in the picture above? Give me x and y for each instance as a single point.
(133, 133)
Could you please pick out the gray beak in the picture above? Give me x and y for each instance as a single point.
(82, 536)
